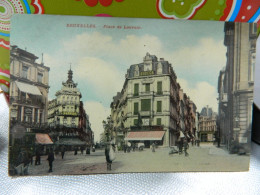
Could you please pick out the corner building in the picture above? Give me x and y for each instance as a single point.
(236, 84)
(147, 108)
(29, 89)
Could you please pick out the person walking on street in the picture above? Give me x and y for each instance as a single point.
(110, 155)
(75, 150)
(63, 149)
(81, 149)
(186, 146)
(50, 159)
(153, 147)
(38, 157)
(180, 143)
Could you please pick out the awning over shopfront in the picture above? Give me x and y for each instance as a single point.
(145, 135)
(26, 88)
(42, 138)
(70, 142)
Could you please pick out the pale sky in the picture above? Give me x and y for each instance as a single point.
(100, 57)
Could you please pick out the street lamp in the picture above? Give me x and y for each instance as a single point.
(108, 128)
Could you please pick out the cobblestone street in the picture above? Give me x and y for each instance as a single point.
(203, 158)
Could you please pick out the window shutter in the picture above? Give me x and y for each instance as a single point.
(136, 89)
(159, 106)
(159, 87)
(136, 108)
(146, 105)
(159, 121)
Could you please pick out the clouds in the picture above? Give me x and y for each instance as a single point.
(201, 94)
(97, 113)
(103, 76)
(207, 54)
(126, 50)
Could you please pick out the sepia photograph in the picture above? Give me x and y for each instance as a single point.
(104, 95)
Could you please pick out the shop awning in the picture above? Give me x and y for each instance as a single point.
(42, 138)
(26, 88)
(145, 135)
(70, 142)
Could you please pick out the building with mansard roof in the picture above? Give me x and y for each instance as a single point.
(29, 89)
(67, 116)
(148, 107)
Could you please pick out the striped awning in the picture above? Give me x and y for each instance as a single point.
(42, 138)
(145, 135)
(26, 88)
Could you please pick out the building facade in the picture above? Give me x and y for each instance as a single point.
(66, 113)
(29, 88)
(207, 125)
(235, 86)
(148, 107)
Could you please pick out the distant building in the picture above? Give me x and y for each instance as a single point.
(147, 108)
(235, 86)
(29, 88)
(207, 125)
(66, 114)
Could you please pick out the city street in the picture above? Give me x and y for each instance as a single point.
(203, 158)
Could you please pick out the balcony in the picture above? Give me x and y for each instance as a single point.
(68, 103)
(64, 113)
(26, 101)
(146, 113)
(146, 93)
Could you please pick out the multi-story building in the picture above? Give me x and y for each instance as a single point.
(66, 114)
(207, 125)
(147, 109)
(29, 88)
(235, 86)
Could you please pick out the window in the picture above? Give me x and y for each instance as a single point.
(159, 106)
(136, 108)
(147, 87)
(135, 122)
(136, 89)
(146, 105)
(24, 72)
(159, 87)
(159, 121)
(39, 77)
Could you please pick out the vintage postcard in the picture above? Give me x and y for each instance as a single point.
(118, 95)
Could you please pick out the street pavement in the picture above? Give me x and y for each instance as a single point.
(203, 158)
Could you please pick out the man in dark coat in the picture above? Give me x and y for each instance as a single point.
(38, 157)
(63, 149)
(186, 146)
(50, 159)
(109, 162)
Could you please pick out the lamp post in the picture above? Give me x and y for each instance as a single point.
(108, 127)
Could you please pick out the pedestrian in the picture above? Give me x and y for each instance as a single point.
(75, 150)
(81, 149)
(38, 157)
(153, 147)
(26, 162)
(186, 146)
(180, 144)
(124, 147)
(110, 155)
(50, 159)
(63, 149)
